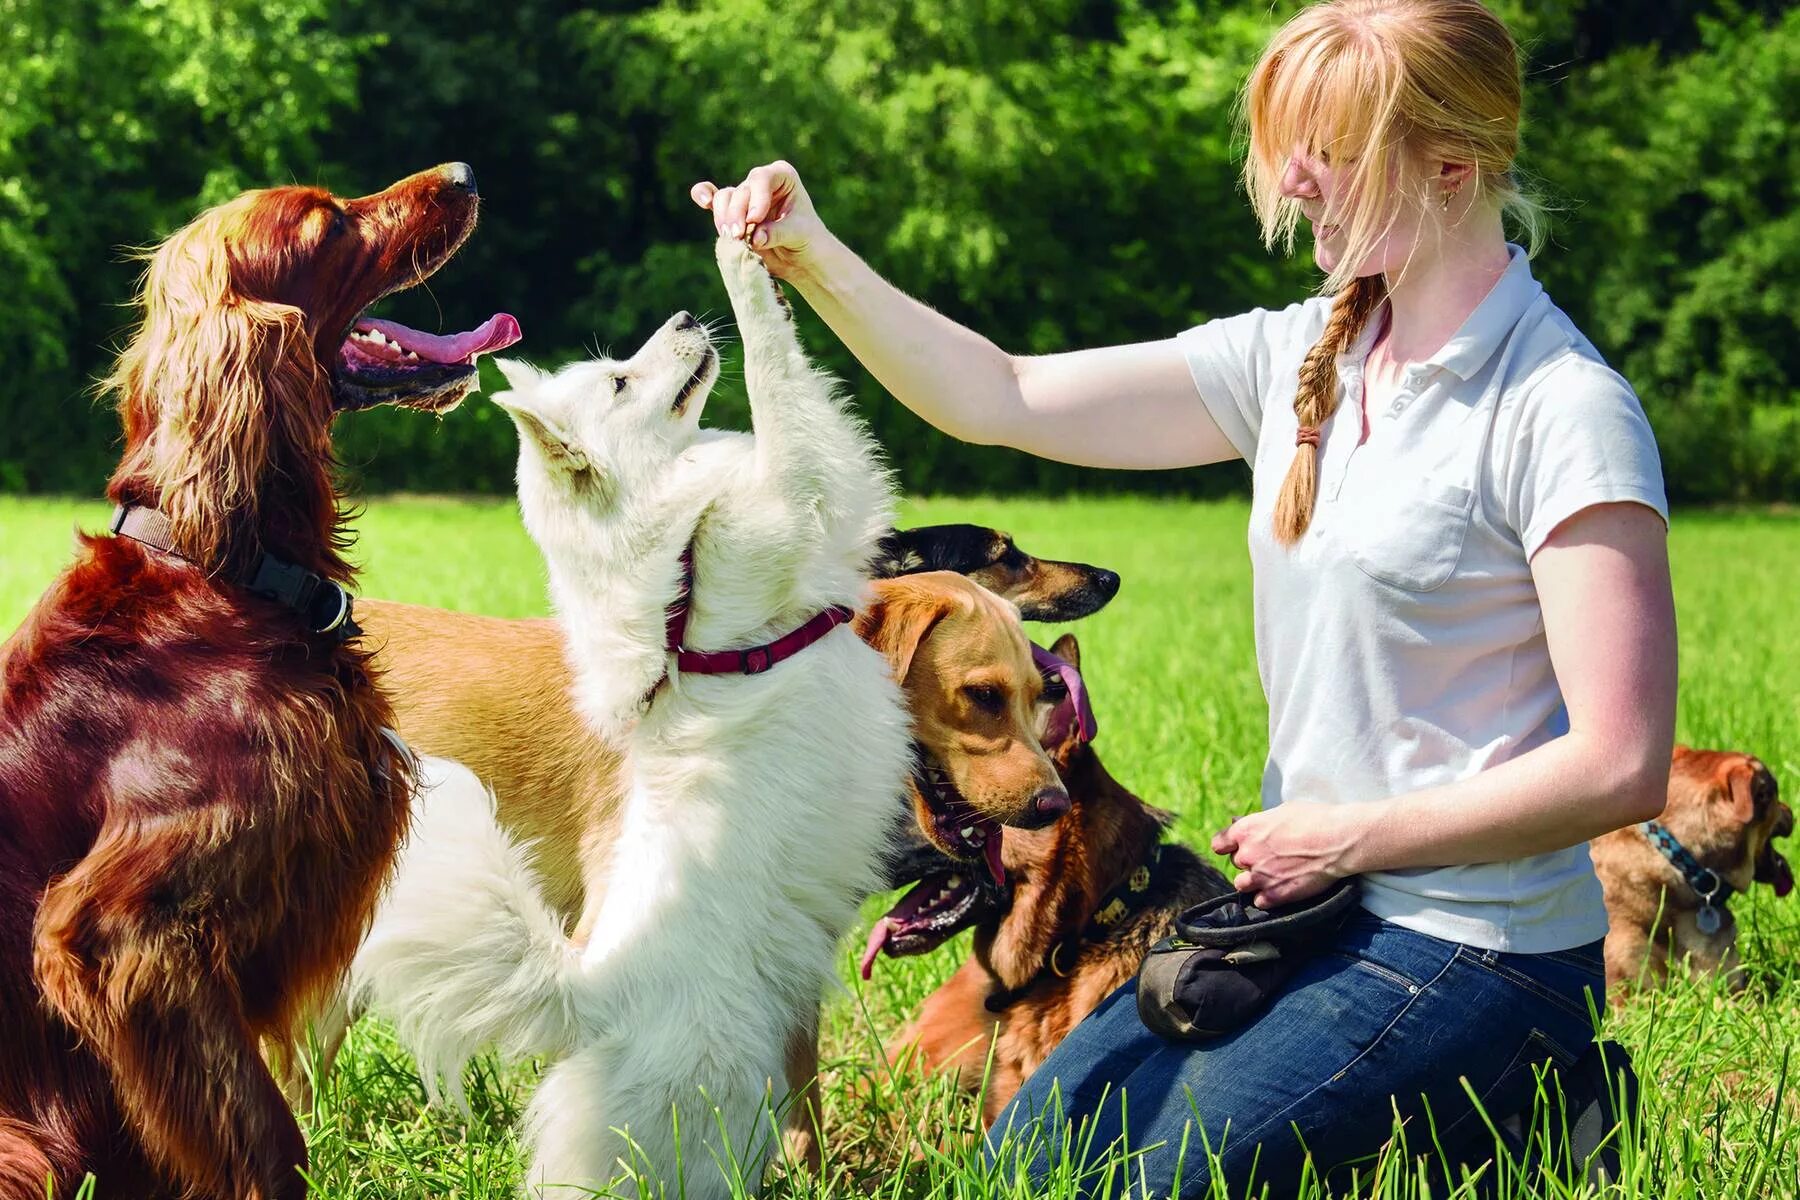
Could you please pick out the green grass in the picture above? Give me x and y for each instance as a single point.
(1182, 720)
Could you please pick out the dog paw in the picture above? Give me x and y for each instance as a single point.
(748, 281)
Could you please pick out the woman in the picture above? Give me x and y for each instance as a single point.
(1462, 606)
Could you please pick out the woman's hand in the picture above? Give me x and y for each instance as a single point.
(771, 210)
(1293, 850)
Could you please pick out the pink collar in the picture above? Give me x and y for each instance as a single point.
(753, 660)
(1072, 715)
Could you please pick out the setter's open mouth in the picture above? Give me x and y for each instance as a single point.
(385, 362)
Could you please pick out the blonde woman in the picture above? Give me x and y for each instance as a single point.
(1462, 605)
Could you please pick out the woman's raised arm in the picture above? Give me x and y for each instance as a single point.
(1131, 406)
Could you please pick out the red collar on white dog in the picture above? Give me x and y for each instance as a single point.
(752, 660)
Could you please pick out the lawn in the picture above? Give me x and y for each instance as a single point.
(1172, 672)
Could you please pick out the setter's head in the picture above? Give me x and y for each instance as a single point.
(252, 338)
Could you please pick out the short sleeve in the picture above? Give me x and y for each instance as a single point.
(1234, 360)
(1582, 440)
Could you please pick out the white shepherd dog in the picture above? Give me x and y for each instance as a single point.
(760, 803)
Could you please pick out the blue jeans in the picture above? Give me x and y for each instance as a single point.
(1383, 1023)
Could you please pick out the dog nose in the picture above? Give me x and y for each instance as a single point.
(685, 321)
(1045, 807)
(1107, 582)
(460, 176)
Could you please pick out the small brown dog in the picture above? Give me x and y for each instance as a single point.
(1724, 814)
(1088, 897)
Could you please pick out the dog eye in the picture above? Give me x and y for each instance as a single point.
(618, 382)
(338, 225)
(986, 697)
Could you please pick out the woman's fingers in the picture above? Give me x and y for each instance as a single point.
(771, 188)
(702, 193)
(721, 209)
(1228, 839)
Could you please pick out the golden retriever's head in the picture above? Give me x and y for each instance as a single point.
(975, 694)
(251, 338)
(1726, 808)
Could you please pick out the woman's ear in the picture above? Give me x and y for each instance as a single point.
(1454, 177)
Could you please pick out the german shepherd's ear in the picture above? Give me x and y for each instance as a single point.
(899, 619)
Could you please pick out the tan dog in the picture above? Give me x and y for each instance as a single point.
(1084, 901)
(493, 694)
(1724, 809)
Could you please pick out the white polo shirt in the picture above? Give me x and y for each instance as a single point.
(1400, 641)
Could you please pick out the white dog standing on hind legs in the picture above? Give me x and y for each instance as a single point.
(760, 801)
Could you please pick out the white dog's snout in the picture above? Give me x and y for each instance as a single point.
(683, 336)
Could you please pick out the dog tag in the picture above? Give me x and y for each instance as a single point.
(1707, 919)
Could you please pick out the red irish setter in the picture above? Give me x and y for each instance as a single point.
(197, 802)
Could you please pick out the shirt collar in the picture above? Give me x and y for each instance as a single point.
(1470, 347)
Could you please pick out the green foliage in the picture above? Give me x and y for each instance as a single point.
(1684, 274)
(116, 123)
(1056, 175)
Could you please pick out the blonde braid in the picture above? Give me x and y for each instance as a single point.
(1317, 398)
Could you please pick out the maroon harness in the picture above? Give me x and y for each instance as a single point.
(752, 660)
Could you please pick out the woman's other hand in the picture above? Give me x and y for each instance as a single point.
(771, 210)
(1292, 851)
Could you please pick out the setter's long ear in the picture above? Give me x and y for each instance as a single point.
(220, 393)
(898, 619)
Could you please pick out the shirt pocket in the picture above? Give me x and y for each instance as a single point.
(1411, 538)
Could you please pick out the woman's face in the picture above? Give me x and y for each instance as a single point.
(1321, 186)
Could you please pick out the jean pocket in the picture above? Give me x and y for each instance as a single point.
(1379, 970)
(1412, 538)
(1591, 957)
(1566, 988)
(1511, 1092)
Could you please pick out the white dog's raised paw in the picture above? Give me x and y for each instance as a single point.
(747, 280)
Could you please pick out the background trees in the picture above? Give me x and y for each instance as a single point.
(1058, 174)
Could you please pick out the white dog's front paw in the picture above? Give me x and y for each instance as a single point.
(752, 289)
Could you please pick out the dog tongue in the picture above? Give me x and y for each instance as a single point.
(991, 849)
(497, 333)
(878, 937)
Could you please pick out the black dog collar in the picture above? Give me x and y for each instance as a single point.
(321, 603)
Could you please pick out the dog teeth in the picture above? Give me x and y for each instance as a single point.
(967, 833)
(413, 354)
(954, 882)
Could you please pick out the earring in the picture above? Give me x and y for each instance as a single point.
(1449, 195)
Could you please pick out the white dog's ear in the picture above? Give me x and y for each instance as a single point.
(520, 374)
(559, 449)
